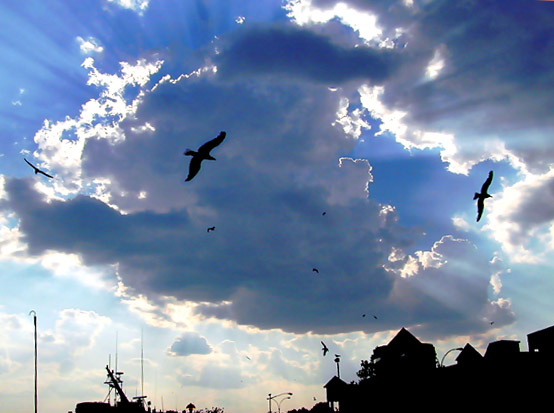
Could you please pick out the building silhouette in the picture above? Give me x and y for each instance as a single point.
(405, 374)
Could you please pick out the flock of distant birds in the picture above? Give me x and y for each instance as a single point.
(203, 153)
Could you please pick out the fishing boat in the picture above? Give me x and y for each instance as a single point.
(121, 404)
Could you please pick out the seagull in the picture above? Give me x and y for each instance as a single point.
(323, 213)
(202, 153)
(211, 229)
(315, 270)
(325, 349)
(375, 317)
(248, 358)
(38, 171)
(480, 197)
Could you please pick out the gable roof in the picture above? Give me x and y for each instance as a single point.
(404, 339)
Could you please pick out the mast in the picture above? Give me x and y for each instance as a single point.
(115, 383)
(36, 364)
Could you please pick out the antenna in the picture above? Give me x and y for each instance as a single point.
(116, 333)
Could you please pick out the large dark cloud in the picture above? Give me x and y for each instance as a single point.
(279, 168)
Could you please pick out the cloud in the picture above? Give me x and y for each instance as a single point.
(89, 45)
(447, 286)
(283, 164)
(292, 52)
(138, 6)
(480, 94)
(189, 343)
(521, 218)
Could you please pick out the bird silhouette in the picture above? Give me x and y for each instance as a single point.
(324, 213)
(375, 317)
(202, 154)
(210, 229)
(38, 171)
(325, 349)
(315, 270)
(480, 197)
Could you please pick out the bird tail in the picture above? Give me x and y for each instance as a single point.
(476, 195)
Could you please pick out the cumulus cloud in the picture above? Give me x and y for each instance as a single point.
(452, 280)
(189, 343)
(521, 215)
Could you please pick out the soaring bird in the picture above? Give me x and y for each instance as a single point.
(38, 171)
(482, 196)
(325, 349)
(202, 153)
(211, 229)
(315, 270)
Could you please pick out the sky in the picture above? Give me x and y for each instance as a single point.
(357, 134)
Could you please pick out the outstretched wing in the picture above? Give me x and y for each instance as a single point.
(30, 164)
(487, 183)
(208, 146)
(480, 207)
(44, 173)
(194, 167)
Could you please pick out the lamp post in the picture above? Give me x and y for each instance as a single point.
(270, 397)
(279, 403)
(445, 354)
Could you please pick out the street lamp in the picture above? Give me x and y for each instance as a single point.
(270, 397)
(452, 349)
(279, 403)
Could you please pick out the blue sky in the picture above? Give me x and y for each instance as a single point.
(386, 115)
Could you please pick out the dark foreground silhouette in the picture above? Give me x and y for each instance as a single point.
(405, 375)
(122, 404)
(203, 153)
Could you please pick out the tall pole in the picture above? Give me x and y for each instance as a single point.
(269, 398)
(36, 354)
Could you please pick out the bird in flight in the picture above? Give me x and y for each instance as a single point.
(315, 270)
(202, 154)
(480, 197)
(325, 349)
(211, 229)
(324, 213)
(38, 171)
